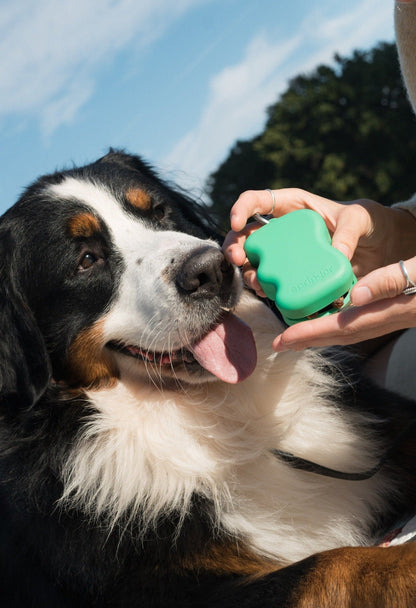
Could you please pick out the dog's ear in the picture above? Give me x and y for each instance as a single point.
(126, 160)
(24, 362)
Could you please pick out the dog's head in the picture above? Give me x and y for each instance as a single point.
(113, 272)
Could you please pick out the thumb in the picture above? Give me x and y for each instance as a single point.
(353, 222)
(386, 282)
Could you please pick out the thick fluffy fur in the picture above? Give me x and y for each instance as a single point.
(131, 475)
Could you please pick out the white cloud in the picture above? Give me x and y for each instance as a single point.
(368, 15)
(51, 50)
(239, 94)
(368, 22)
(62, 108)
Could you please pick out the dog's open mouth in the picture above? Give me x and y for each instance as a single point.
(227, 351)
(158, 358)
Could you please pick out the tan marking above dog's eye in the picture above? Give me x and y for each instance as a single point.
(83, 225)
(139, 198)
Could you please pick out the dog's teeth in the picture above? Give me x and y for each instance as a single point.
(133, 350)
(145, 354)
(158, 358)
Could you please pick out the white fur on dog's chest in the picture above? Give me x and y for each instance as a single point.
(152, 450)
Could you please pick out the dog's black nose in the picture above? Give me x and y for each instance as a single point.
(203, 273)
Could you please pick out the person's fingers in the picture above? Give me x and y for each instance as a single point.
(250, 279)
(380, 307)
(350, 326)
(249, 203)
(286, 200)
(353, 222)
(346, 222)
(233, 246)
(386, 282)
(316, 332)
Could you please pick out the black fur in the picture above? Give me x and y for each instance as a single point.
(51, 556)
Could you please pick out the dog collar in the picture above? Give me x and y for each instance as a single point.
(308, 466)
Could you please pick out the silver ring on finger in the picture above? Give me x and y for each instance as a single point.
(410, 288)
(273, 201)
(261, 218)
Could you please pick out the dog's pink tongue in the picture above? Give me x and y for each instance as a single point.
(228, 351)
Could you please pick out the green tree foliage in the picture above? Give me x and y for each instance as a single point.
(343, 132)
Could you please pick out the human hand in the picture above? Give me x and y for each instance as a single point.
(370, 235)
(380, 308)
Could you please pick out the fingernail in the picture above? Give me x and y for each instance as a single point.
(361, 296)
(279, 347)
(233, 218)
(343, 249)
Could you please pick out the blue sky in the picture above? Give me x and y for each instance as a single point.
(176, 81)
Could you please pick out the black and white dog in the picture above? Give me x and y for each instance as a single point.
(140, 420)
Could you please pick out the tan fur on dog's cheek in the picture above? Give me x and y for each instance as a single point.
(89, 364)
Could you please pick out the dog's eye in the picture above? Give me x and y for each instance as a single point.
(87, 262)
(159, 212)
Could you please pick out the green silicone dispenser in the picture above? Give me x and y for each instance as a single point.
(298, 268)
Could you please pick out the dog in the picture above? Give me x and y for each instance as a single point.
(147, 429)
